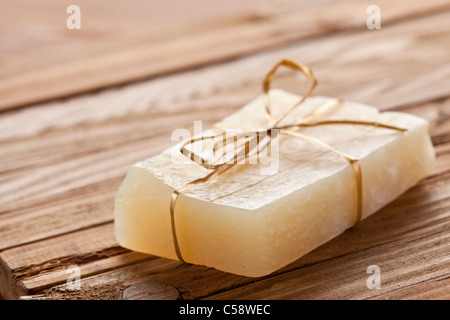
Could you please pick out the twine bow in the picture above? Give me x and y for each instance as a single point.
(251, 146)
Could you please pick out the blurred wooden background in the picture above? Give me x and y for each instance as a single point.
(79, 107)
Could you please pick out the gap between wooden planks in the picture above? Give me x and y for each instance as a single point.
(96, 251)
(401, 65)
(31, 267)
(85, 145)
(416, 222)
(34, 78)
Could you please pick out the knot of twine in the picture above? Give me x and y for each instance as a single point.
(250, 142)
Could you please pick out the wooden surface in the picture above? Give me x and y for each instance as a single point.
(81, 106)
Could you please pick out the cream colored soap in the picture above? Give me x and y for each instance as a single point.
(250, 224)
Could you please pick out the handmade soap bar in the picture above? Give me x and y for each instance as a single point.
(252, 224)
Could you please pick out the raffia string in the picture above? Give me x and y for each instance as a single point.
(273, 123)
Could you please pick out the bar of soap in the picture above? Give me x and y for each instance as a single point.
(250, 224)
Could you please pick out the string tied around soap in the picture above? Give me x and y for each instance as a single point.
(251, 145)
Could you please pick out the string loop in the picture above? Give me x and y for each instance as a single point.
(290, 130)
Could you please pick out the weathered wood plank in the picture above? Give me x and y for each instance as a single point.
(30, 81)
(382, 239)
(82, 147)
(54, 218)
(28, 26)
(94, 248)
(59, 276)
(70, 247)
(123, 277)
(92, 158)
(433, 289)
(387, 80)
(419, 212)
(402, 263)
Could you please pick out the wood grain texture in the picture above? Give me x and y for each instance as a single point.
(62, 161)
(139, 55)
